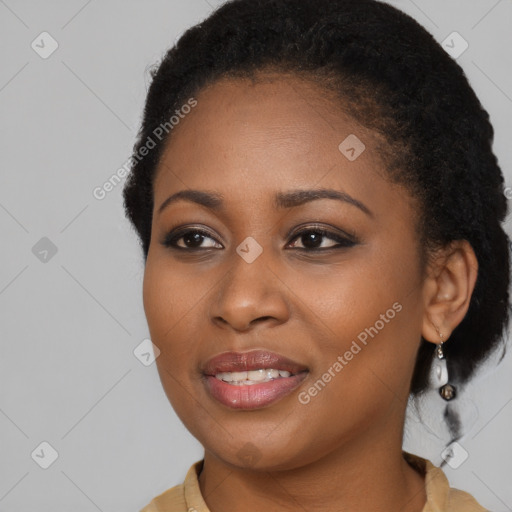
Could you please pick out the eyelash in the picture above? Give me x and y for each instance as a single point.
(343, 242)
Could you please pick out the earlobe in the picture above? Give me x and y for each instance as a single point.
(448, 289)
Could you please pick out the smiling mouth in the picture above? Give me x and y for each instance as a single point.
(251, 380)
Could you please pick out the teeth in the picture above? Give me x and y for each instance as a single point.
(256, 375)
(272, 374)
(238, 376)
(252, 377)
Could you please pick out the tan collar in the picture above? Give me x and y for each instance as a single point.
(437, 487)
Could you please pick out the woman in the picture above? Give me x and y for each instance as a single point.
(320, 211)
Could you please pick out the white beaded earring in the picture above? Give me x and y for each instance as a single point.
(439, 373)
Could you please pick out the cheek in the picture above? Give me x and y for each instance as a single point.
(369, 313)
(159, 300)
(170, 314)
(352, 296)
(168, 304)
(169, 292)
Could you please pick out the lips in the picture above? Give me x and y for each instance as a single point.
(238, 395)
(248, 361)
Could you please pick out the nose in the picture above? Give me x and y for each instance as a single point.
(249, 294)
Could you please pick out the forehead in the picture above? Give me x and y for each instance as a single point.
(277, 123)
(249, 140)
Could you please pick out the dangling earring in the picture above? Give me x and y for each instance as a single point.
(440, 373)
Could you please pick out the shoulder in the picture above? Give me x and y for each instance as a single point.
(463, 502)
(446, 498)
(440, 496)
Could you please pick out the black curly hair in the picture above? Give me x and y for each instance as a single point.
(392, 77)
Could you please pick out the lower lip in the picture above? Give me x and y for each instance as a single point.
(252, 396)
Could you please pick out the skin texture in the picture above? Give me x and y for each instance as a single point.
(342, 450)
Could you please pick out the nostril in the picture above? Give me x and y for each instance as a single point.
(261, 318)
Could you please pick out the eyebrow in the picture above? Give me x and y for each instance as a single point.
(291, 199)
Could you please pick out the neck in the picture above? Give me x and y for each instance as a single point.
(368, 473)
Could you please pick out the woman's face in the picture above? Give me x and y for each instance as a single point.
(345, 307)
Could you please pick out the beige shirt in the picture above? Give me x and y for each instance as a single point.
(441, 497)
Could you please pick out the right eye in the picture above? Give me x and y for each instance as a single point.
(192, 240)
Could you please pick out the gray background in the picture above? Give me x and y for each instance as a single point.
(70, 321)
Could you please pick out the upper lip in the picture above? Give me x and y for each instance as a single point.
(247, 361)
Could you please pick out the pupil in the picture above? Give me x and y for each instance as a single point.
(315, 238)
(195, 239)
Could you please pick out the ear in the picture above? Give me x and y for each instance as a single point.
(447, 289)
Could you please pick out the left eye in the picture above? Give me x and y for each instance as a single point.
(312, 239)
(192, 238)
